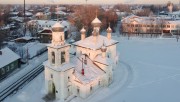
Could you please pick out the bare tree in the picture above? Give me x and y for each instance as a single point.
(83, 16)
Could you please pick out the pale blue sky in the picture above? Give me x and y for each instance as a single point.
(89, 1)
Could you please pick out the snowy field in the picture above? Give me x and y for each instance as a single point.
(148, 71)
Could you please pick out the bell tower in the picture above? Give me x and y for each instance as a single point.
(58, 49)
(58, 68)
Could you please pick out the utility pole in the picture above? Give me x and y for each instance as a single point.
(27, 56)
(24, 18)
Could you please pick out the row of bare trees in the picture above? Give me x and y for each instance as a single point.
(84, 15)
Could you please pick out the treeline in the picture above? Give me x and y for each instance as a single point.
(84, 15)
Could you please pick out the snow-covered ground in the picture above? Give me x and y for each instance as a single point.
(148, 71)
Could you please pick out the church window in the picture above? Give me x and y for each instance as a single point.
(62, 57)
(53, 57)
(78, 90)
(61, 38)
(51, 76)
(68, 78)
(90, 88)
(85, 60)
(80, 52)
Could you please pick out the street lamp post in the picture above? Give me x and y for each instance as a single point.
(24, 18)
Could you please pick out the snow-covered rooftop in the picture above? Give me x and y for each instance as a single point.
(51, 23)
(61, 13)
(33, 48)
(106, 61)
(57, 24)
(39, 14)
(91, 71)
(25, 38)
(7, 57)
(63, 67)
(89, 43)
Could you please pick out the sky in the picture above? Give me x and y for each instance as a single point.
(88, 1)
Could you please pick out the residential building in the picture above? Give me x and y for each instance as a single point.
(9, 62)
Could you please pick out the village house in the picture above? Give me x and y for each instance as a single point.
(153, 26)
(9, 62)
(43, 28)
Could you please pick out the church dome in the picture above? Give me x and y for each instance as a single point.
(58, 27)
(109, 30)
(103, 48)
(83, 30)
(96, 22)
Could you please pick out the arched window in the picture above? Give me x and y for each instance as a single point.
(78, 90)
(63, 57)
(53, 57)
(61, 38)
(90, 88)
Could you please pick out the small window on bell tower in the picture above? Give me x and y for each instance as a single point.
(63, 57)
(53, 57)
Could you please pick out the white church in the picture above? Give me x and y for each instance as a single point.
(91, 68)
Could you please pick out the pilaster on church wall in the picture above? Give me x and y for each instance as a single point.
(46, 78)
(49, 54)
(56, 57)
(67, 54)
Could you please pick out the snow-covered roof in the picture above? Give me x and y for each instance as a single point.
(57, 25)
(174, 22)
(63, 67)
(34, 48)
(89, 43)
(7, 57)
(58, 46)
(106, 61)
(146, 20)
(14, 13)
(45, 31)
(61, 13)
(175, 13)
(28, 14)
(39, 14)
(91, 71)
(51, 23)
(25, 38)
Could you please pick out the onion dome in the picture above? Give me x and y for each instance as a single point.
(109, 30)
(83, 30)
(103, 48)
(96, 22)
(58, 27)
